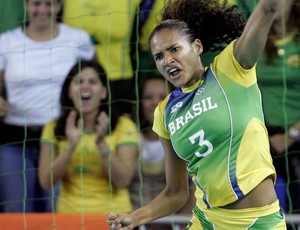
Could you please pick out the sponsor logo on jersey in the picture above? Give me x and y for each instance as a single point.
(176, 107)
(201, 90)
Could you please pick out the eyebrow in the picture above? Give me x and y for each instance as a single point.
(168, 49)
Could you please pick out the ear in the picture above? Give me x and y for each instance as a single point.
(198, 46)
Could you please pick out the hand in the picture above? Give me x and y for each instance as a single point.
(4, 107)
(101, 126)
(72, 129)
(283, 9)
(119, 221)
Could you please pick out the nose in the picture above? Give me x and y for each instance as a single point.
(43, 8)
(168, 58)
(84, 85)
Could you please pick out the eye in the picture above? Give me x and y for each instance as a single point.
(175, 49)
(158, 57)
(147, 97)
(93, 81)
(36, 3)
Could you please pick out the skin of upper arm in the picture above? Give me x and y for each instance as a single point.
(128, 155)
(176, 172)
(251, 44)
(172, 198)
(46, 151)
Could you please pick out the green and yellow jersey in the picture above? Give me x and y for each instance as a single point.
(217, 127)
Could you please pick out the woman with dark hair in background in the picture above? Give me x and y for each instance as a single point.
(90, 148)
(34, 62)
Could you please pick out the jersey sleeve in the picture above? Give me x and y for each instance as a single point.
(48, 136)
(159, 117)
(226, 65)
(86, 48)
(127, 133)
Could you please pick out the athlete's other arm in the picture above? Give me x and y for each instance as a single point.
(251, 44)
(171, 199)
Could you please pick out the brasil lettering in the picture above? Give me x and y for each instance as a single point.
(196, 110)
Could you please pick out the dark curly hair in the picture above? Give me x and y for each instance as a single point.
(215, 24)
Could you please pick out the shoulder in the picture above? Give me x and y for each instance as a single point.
(11, 41)
(225, 65)
(226, 54)
(159, 117)
(125, 123)
(162, 105)
(50, 125)
(75, 36)
(72, 30)
(12, 33)
(48, 132)
(160, 109)
(126, 130)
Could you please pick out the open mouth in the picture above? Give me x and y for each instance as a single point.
(174, 72)
(85, 96)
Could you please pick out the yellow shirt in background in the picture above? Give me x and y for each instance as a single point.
(85, 187)
(110, 24)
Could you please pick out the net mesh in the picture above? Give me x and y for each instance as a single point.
(119, 30)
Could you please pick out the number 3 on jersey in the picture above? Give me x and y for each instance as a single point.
(202, 142)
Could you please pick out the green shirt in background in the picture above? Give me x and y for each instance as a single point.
(246, 6)
(279, 83)
(12, 14)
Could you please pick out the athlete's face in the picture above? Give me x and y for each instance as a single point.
(42, 12)
(154, 91)
(176, 58)
(86, 91)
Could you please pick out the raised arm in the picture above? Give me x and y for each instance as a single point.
(171, 199)
(52, 166)
(251, 44)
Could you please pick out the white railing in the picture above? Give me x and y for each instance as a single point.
(177, 220)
